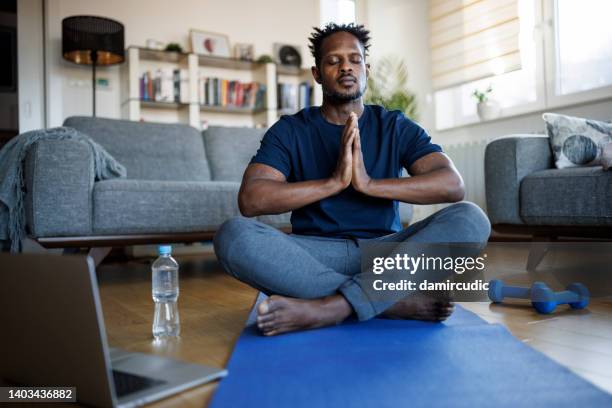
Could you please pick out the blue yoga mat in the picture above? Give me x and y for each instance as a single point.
(463, 362)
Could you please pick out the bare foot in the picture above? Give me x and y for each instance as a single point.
(279, 314)
(421, 306)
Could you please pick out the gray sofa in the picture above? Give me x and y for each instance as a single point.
(526, 194)
(181, 185)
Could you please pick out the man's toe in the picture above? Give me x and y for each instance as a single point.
(267, 326)
(264, 307)
(275, 303)
(270, 333)
(265, 318)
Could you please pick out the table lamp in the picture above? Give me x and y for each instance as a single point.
(93, 40)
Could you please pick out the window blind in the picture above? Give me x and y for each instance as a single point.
(472, 39)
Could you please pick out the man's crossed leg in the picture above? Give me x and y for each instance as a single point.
(317, 281)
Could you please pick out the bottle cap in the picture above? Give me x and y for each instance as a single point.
(164, 250)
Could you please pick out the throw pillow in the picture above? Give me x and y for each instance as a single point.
(576, 141)
(606, 157)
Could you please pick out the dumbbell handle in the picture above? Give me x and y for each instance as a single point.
(566, 296)
(515, 292)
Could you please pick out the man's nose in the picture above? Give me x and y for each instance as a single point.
(346, 67)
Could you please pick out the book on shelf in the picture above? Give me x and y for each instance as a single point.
(305, 95)
(165, 85)
(219, 92)
(292, 97)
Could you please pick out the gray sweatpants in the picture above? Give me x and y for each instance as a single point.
(310, 267)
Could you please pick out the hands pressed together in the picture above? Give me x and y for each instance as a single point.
(350, 168)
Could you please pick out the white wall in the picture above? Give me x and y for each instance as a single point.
(400, 27)
(30, 65)
(260, 23)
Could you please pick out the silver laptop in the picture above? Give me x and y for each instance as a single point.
(52, 334)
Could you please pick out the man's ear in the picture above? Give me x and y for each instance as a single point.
(316, 74)
(367, 70)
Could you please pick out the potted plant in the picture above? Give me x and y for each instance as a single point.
(387, 86)
(487, 108)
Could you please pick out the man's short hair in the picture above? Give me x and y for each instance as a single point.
(317, 37)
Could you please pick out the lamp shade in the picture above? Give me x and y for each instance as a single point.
(84, 37)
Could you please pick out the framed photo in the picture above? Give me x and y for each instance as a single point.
(245, 52)
(287, 54)
(210, 44)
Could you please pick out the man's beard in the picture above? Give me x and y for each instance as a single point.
(338, 98)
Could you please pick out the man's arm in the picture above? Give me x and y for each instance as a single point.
(434, 180)
(265, 190)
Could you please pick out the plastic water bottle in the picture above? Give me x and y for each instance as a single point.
(165, 290)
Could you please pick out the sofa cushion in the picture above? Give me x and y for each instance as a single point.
(230, 150)
(144, 206)
(573, 196)
(149, 151)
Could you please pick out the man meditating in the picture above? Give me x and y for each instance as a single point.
(337, 167)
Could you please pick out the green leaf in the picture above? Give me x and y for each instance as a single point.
(388, 86)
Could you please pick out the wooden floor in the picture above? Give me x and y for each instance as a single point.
(214, 307)
(578, 339)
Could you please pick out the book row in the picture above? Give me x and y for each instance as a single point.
(172, 85)
(293, 97)
(223, 92)
(165, 85)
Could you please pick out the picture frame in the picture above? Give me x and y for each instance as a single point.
(244, 52)
(209, 44)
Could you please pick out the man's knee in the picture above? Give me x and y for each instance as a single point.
(471, 221)
(228, 234)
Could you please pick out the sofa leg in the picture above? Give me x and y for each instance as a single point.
(537, 252)
(98, 254)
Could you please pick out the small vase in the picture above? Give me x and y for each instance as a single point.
(488, 110)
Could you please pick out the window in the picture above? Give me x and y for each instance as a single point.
(337, 11)
(456, 106)
(584, 45)
(566, 57)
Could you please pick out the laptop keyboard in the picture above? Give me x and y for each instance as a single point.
(129, 383)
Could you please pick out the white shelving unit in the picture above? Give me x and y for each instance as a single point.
(140, 60)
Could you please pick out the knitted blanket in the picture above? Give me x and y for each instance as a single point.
(12, 157)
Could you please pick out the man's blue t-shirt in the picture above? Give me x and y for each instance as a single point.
(305, 146)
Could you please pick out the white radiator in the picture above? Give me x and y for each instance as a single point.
(468, 157)
(469, 160)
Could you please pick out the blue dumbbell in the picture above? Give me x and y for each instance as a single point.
(498, 291)
(543, 299)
